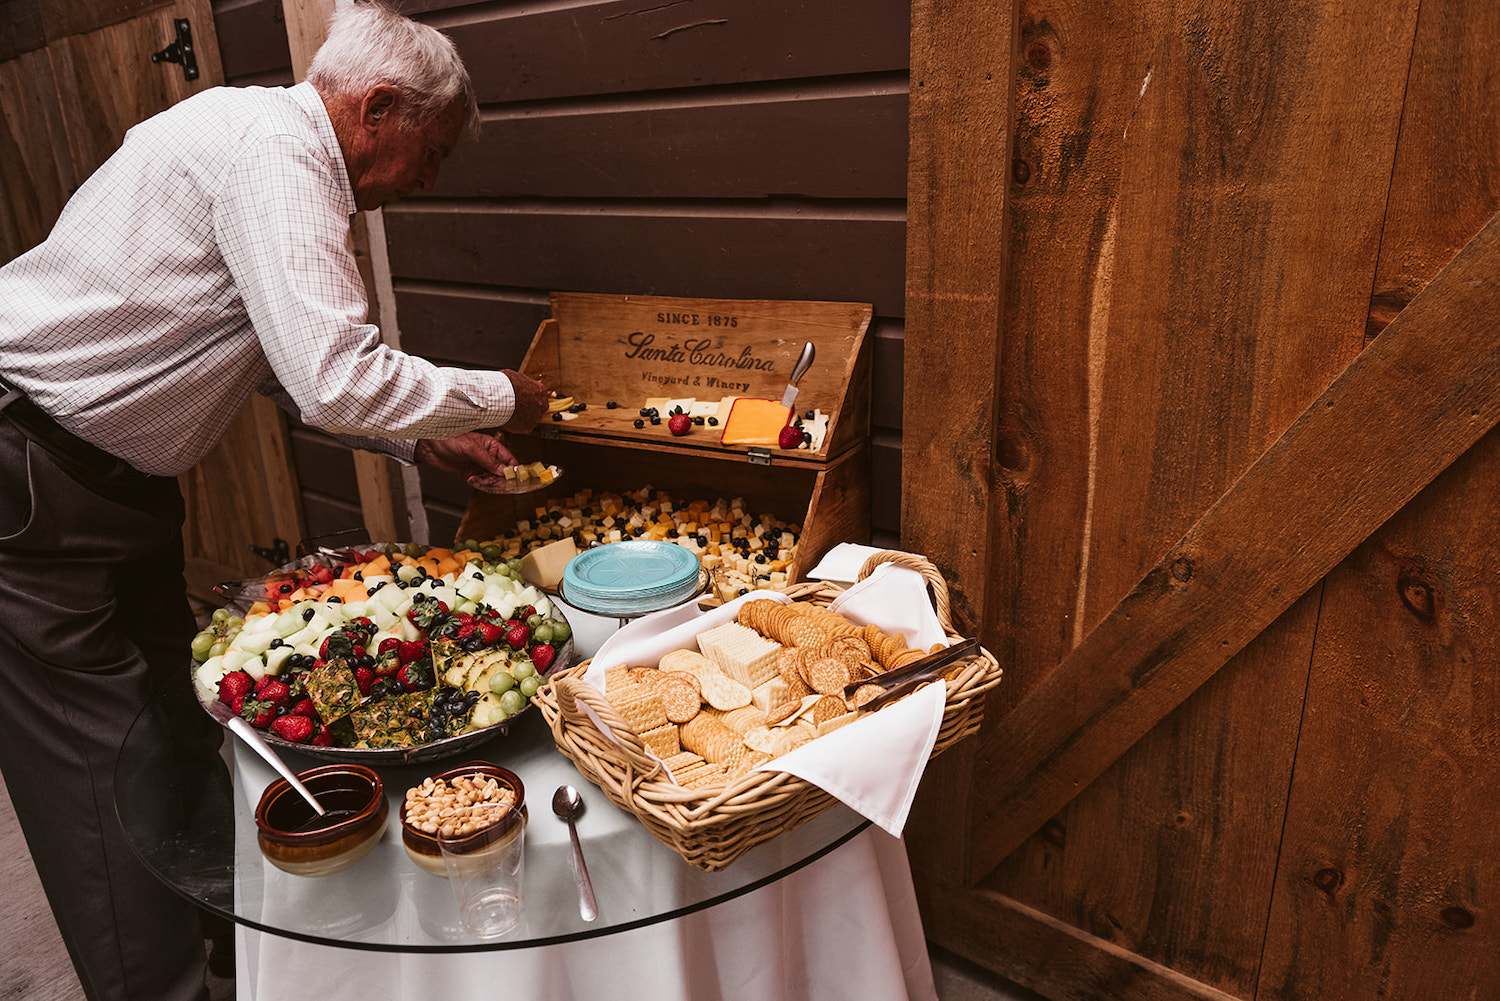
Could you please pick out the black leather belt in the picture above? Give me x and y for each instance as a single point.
(61, 443)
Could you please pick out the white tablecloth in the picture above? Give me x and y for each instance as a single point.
(843, 927)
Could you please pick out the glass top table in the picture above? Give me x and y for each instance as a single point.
(192, 825)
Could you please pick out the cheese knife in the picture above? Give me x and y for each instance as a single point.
(804, 362)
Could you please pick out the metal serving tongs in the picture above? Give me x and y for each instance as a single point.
(904, 680)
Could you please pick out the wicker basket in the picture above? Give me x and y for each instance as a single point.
(712, 828)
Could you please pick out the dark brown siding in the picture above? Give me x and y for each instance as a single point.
(723, 148)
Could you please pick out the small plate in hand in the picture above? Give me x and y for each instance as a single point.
(526, 477)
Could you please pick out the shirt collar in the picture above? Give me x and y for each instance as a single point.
(307, 96)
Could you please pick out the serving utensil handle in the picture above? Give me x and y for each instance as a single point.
(588, 906)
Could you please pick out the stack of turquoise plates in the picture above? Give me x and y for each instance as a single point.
(630, 578)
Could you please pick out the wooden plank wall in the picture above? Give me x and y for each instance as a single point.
(726, 149)
(1210, 208)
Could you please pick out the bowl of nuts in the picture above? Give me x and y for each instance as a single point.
(478, 799)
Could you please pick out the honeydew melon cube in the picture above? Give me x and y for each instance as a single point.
(276, 658)
(235, 660)
(385, 620)
(289, 621)
(472, 589)
(256, 642)
(355, 610)
(374, 580)
(408, 573)
(409, 631)
(528, 595)
(391, 597)
(311, 634)
(446, 595)
(305, 649)
(211, 672)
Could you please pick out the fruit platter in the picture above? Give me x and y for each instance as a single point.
(387, 653)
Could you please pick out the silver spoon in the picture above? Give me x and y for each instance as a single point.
(248, 734)
(567, 804)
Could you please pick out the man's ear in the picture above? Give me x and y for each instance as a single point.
(378, 105)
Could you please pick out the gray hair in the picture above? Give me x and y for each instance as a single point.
(370, 44)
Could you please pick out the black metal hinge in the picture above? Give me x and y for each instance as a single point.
(180, 51)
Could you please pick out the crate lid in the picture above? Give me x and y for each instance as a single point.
(700, 355)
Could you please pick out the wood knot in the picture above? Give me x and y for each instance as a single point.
(1328, 880)
(1417, 595)
(1182, 570)
(1020, 170)
(1457, 917)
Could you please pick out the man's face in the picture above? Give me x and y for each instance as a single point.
(391, 160)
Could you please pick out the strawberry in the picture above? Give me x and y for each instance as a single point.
(364, 678)
(541, 656)
(679, 424)
(324, 736)
(517, 634)
(790, 437)
(411, 650)
(490, 633)
(293, 727)
(304, 707)
(275, 691)
(388, 644)
(525, 612)
(415, 676)
(387, 664)
(234, 685)
(258, 712)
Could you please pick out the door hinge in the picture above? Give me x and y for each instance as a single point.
(758, 456)
(180, 51)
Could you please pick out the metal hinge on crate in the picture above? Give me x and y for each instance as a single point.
(759, 456)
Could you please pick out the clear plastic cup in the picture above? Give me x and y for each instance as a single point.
(484, 869)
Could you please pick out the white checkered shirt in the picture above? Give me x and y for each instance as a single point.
(206, 260)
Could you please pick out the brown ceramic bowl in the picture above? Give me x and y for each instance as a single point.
(423, 847)
(297, 841)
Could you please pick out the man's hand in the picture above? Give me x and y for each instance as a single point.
(478, 458)
(531, 401)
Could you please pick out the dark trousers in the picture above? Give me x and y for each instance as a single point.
(93, 619)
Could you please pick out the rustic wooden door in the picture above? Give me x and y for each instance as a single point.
(1223, 519)
(74, 76)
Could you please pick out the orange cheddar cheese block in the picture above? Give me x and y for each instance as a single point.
(755, 422)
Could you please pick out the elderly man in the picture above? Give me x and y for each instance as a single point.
(206, 260)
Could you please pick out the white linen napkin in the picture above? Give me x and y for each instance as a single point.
(842, 563)
(875, 763)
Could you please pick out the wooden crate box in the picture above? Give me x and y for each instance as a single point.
(631, 350)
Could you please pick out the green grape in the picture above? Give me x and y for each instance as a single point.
(529, 685)
(491, 553)
(415, 549)
(202, 644)
(220, 616)
(515, 567)
(512, 702)
(234, 623)
(543, 632)
(561, 631)
(501, 683)
(218, 648)
(525, 669)
(535, 619)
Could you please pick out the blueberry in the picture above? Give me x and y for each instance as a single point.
(278, 641)
(557, 416)
(611, 405)
(639, 423)
(713, 422)
(307, 614)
